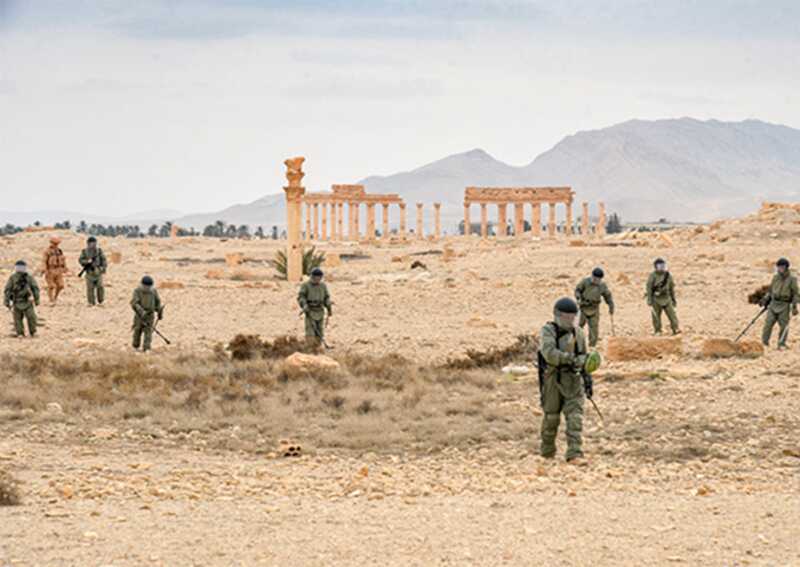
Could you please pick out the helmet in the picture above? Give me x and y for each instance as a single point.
(317, 272)
(20, 263)
(659, 261)
(147, 280)
(55, 240)
(598, 272)
(593, 362)
(782, 262)
(566, 305)
(91, 239)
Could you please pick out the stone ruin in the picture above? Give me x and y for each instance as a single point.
(502, 197)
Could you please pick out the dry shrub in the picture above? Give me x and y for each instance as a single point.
(249, 347)
(10, 494)
(759, 294)
(523, 348)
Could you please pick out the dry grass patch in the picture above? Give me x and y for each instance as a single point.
(380, 404)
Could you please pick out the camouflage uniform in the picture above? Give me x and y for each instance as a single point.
(19, 290)
(661, 298)
(588, 294)
(146, 304)
(564, 351)
(314, 300)
(96, 262)
(55, 266)
(782, 296)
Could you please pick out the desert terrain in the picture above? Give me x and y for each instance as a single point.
(408, 457)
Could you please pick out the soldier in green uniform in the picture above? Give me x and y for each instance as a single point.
(782, 296)
(146, 306)
(660, 291)
(94, 265)
(562, 353)
(20, 289)
(314, 300)
(588, 293)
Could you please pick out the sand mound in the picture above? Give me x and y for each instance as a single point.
(726, 348)
(626, 348)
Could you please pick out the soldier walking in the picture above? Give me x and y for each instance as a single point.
(146, 305)
(588, 293)
(782, 296)
(562, 355)
(314, 300)
(54, 268)
(20, 289)
(94, 265)
(660, 291)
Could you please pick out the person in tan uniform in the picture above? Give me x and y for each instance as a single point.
(54, 268)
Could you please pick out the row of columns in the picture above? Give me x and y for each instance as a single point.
(317, 215)
(536, 219)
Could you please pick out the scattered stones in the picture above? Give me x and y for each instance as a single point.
(300, 364)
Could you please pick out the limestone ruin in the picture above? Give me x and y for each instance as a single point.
(325, 213)
(502, 197)
(294, 198)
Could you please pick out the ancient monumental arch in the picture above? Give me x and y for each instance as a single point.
(294, 213)
(325, 213)
(502, 197)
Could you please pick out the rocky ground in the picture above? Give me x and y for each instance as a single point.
(697, 459)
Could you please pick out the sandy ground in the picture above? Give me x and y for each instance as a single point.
(698, 460)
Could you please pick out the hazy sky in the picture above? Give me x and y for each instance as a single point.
(117, 106)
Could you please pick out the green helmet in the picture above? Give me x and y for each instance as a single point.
(593, 362)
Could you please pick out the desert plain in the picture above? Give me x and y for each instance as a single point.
(407, 456)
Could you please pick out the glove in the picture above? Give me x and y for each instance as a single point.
(674, 303)
(763, 301)
(794, 310)
(650, 302)
(580, 361)
(36, 303)
(611, 311)
(588, 385)
(160, 315)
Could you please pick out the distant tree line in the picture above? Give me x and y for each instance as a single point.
(217, 230)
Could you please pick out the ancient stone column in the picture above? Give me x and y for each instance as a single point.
(324, 233)
(357, 221)
(370, 221)
(385, 220)
(502, 224)
(484, 221)
(352, 215)
(403, 221)
(308, 221)
(536, 219)
(420, 222)
(568, 226)
(333, 235)
(437, 220)
(340, 220)
(467, 222)
(316, 221)
(601, 222)
(551, 220)
(519, 219)
(585, 218)
(294, 198)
